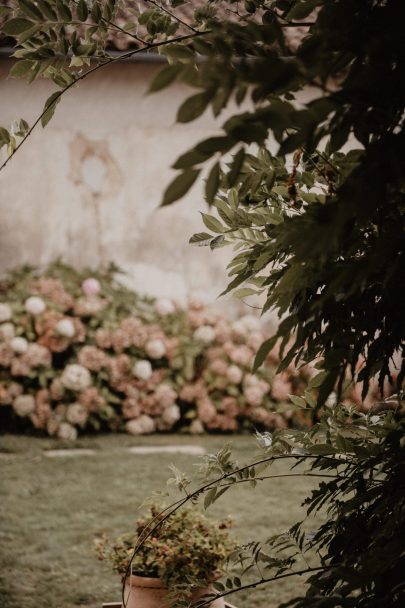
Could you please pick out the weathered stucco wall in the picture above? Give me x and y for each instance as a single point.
(87, 188)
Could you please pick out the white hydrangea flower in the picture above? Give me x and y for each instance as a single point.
(171, 415)
(251, 380)
(196, 427)
(76, 377)
(246, 325)
(67, 432)
(35, 305)
(234, 374)
(142, 369)
(65, 328)
(205, 334)
(19, 345)
(251, 322)
(24, 405)
(164, 306)
(76, 414)
(238, 328)
(7, 331)
(5, 312)
(140, 426)
(91, 286)
(155, 349)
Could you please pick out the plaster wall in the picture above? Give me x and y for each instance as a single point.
(88, 187)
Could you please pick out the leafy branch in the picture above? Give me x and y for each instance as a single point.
(50, 105)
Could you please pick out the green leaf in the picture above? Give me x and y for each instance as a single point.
(4, 136)
(317, 380)
(30, 9)
(50, 107)
(200, 238)
(178, 51)
(82, 10)
(215, 144)
(212, 223)
(47, 10)
(63, 10)
(20, 68)
(180, 186)
(13, 27)
(263, 351)
(4, 10)
(244, 292)
(217, 242)
(96, 12)
(298, 401)
(164, 77)
(193, 107)
(209, 497)
(212, 183)
(236, 167)
(189, 159)
(303, 9)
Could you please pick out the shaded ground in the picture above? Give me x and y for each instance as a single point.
(51, 510)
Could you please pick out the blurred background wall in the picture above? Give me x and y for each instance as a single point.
(88, 187)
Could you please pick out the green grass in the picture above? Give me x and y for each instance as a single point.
(52, 509)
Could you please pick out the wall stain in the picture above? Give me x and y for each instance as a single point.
(98, 177)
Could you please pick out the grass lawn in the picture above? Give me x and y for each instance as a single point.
(52, 509)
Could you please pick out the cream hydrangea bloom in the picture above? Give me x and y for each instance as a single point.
(171, 415)
(24, 405)
(5, 312)
(76, 414)
(141, 426)
(205, 334)
(75, 377)
(65, 328)
(164, 306)
(155, 349)
(142, 369)
(19, 345)
(7, 331)
(67, 432)
(35, 305)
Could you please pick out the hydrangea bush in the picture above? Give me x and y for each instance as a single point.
(80, 352)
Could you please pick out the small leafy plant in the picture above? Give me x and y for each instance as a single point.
(185, 552)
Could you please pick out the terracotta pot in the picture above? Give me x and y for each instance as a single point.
(144, 592)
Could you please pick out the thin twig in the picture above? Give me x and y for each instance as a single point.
(287, 22)
(262, 582)
(109, 61)
(178, 504)
(172, 15)
(115, 26)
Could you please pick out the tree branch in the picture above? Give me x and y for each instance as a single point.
(109, 61)
(262, 582)
(152, 526)
(172, 15)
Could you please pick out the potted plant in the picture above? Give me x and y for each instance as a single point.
(178, 562)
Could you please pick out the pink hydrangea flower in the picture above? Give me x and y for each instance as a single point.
(91, 286)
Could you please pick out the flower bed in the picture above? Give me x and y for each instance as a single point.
(80, 352)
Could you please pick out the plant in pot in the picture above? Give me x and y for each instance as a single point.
(177, 563)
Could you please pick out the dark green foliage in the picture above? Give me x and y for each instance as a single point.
(356, 557)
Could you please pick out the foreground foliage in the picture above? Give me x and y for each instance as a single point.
(318, 226)
(355, 558)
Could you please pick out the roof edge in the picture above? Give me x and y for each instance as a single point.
(6, 52)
